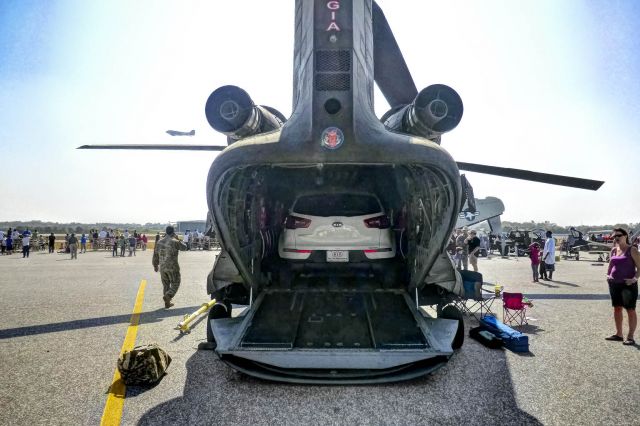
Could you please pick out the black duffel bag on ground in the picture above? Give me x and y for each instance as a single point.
(485, 337)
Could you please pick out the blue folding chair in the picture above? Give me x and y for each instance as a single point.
(478, 296)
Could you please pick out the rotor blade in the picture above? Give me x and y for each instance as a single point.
(389, 67)
(158, 147)
(573, 182)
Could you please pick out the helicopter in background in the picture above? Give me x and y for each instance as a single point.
(576, 243)
(336, 322)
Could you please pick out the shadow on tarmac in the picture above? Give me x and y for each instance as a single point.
(544, 284)
(564, 283)
(468, 390)
(570, 296)
(145, 317)
(529, 329)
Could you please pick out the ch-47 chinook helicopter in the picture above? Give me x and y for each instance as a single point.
(336, 322)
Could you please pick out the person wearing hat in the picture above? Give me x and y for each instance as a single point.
(473, 243)
(461, 241)
(165, 261)
(73, 246)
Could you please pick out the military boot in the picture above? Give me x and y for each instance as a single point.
(167, 302)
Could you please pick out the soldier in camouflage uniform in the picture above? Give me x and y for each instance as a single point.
(165, 258)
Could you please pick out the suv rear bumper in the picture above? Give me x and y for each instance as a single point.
(317, 261)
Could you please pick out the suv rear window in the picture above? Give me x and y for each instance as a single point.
(337, 205)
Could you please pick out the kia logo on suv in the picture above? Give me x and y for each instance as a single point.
(337, 224)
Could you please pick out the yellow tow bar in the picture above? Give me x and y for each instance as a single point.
(183, 325)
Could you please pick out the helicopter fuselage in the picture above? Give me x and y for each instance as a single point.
(320, 324)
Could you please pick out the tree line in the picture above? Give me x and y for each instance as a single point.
(79, 228)
(559, 229)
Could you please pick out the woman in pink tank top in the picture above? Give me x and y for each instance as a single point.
(622, 276)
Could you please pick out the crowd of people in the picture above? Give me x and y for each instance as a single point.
(119, 242)
(464, 247)
(14, 241)
(112, 239)
(622, 276)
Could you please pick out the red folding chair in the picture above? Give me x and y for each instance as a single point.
(514, 310)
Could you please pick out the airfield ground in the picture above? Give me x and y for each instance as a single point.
(63, 324)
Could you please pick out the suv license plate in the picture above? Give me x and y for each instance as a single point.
(337, 255)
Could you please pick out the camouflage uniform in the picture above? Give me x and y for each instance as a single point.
(165, 256)
(143, 365)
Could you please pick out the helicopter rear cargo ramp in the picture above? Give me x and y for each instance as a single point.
(346, 337)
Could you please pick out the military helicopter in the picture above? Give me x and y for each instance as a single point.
(334, 322)
(576, 243)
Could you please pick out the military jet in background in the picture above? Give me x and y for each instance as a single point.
(179, 133)
(332, 314)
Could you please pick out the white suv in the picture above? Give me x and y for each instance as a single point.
(331, 228)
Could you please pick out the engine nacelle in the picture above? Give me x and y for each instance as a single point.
(231, 111)
(436, 110)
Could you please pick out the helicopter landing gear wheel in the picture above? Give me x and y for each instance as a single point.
(217, 311)
(451, 312)
(210, 339)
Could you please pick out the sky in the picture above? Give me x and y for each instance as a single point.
(547, 85)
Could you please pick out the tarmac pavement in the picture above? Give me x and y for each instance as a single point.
(63, 323)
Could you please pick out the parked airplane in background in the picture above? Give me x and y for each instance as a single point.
(488, 209)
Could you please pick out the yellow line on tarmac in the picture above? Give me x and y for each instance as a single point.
(112, 414)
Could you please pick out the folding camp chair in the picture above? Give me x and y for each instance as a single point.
(514, 309)
(478, 296)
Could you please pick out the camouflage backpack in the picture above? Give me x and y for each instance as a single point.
(143, 365)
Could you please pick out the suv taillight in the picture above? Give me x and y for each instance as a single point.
(380, 222)
(295, 222)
